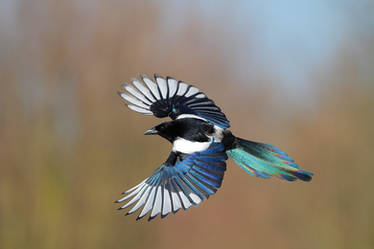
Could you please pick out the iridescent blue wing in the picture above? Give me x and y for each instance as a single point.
(185, 184)
(168, 97)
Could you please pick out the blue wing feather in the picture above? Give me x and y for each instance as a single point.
(192, 179)
(210, 166)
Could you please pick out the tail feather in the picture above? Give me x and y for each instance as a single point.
(265, 160)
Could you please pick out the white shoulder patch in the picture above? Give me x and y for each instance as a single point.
(218, 134)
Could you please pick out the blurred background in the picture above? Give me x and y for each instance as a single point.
(296, 74)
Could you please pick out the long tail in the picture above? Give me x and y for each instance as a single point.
(265, 160)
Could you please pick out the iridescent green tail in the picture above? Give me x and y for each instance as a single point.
(265, 160)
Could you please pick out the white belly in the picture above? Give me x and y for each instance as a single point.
(188, 147)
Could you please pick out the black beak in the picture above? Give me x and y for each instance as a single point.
(151, 131)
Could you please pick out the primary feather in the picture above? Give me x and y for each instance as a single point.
(168, 97)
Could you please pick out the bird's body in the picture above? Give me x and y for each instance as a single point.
(201, 143)
(189, 135)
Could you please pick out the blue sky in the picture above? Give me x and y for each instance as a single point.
(294, 39)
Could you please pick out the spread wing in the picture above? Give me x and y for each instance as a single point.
(168, 97)
(185, 184)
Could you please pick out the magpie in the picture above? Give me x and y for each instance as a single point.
(201, 144)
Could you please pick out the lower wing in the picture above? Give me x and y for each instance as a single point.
(185, 184)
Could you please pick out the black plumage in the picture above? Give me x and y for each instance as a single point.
(188, 128)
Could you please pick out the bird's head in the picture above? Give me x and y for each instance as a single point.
(166, 130)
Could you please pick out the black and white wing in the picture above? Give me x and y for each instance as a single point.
(169, 97)
(185, 184)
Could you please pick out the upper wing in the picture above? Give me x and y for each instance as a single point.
(168, 97)
(184, 184)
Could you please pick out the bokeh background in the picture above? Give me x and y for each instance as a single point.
(297, 74)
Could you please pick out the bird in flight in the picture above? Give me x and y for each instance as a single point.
(201, 144)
